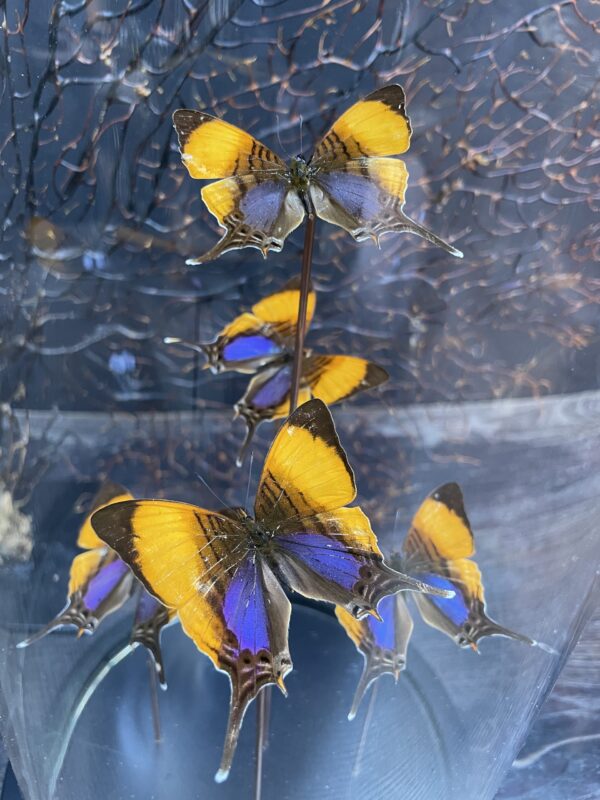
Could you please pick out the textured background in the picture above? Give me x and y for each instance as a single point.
(97, 217)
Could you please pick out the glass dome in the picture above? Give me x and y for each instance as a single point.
(493, 365)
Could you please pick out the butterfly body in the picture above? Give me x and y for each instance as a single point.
(349, 181)
(299, 177)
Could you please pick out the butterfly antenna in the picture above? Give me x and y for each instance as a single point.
(301, 133)
(249, 479)
(221, 502)
(251, 428)
(283, 149)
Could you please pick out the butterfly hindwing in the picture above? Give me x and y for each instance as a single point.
(198, 562)
(366, 198)
(382, 643)
(329, 378)
(99, 583)
(438, 548)
(266, 398)
(256, 210)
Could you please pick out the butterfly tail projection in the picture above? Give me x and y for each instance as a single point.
(240, 700)
(488, 627)
(151, 617)
(405, 224)
(74, 613)
(210, 351)
(373, 668)
(252, 423)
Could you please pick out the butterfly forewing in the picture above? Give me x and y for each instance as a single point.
(375, 126)
(333, 378)
(280, 309)
(108, 493)
(212, 148)
(306, 470)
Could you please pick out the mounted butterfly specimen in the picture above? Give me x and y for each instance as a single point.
(349, 181)
(438, 549)
(263, 342)
(260, 338)
(223, 571)
(100, 583)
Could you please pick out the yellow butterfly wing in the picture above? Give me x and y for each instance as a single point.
(334, 378)
(108, 493)
(440, 530)
(306, 470)
(212, 148)
(253, 202)
(439, 547)
(323, 550)
(280, 309)
(375, 126)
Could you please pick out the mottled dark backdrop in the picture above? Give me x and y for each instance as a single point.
(98, 214)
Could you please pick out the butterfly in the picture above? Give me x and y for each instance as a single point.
(222, 571)
(349, 181)
(100, 583)
(438, 549)
(260, 338)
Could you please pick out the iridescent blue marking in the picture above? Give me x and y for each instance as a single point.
(455, 607)
(384, 632)
(356, 194)
(261, 204)
(146, 608)
(243, 348)
(323, 556)
(274, 391)
(244, 608)
(104, 583)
